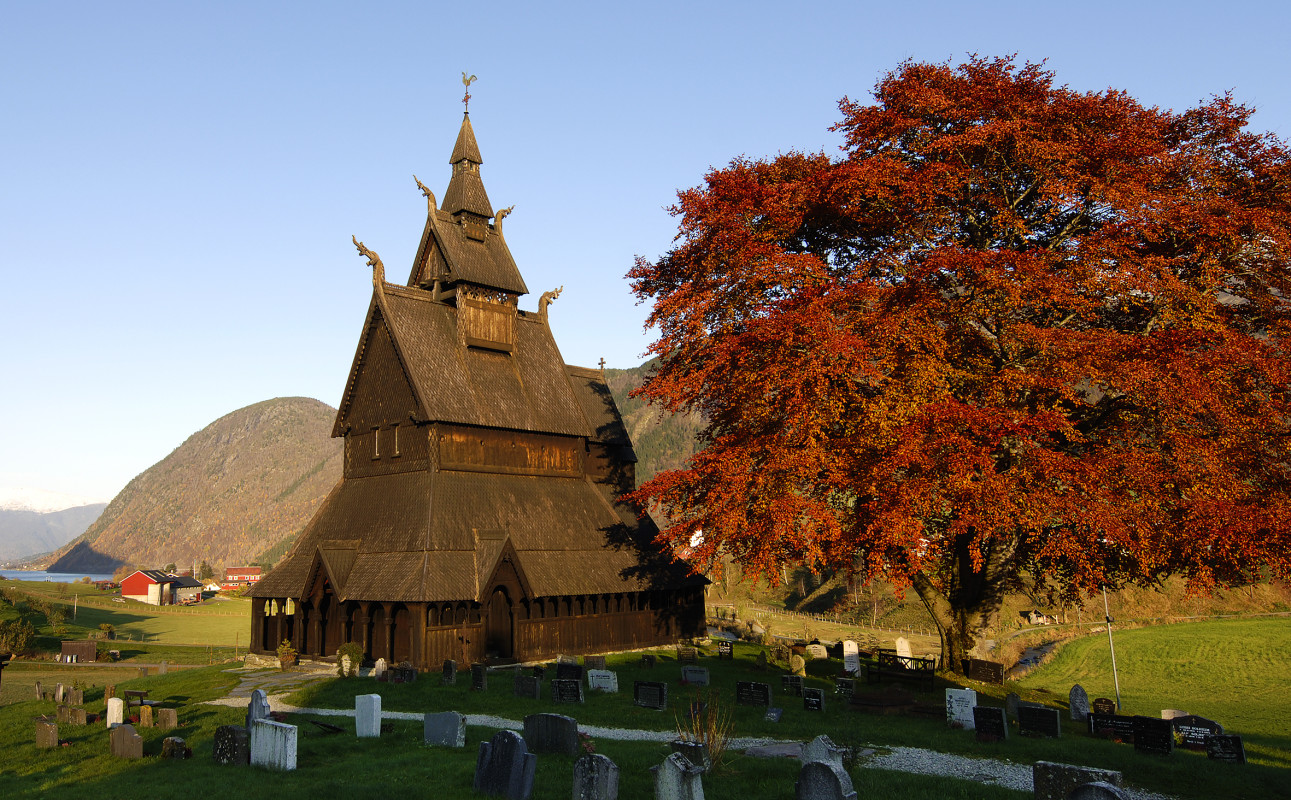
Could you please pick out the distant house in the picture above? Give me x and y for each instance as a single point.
(160, 588)
(240, 576)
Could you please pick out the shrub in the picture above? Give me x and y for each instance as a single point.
(16, 636)
(286, 654)
(710, 724)
(355, 654)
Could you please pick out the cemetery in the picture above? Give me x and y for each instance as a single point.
(609, 724)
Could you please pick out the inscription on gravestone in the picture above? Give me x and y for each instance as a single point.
(990, 723)
(479, 678)
(650, 694)
(752, 693)
(791, 685)
(725, 650)
(1155, 736)
(773, 714)
(1193, 730)
(959, 707)
(1225, 747)
(978, 669)
(813, 699)
(603, 680)
(696, 676)
(687, 655)
(1103, 705)
(565, 691)
(1039, 721)
(1112, 726)
(845, 686)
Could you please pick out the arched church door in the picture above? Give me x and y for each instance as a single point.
(498, 633)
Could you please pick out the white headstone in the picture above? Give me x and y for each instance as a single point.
(257, 708)
(379, 670)
(903, 648)
(273, 744)
(959, 707)
(851, 657)
(116, 711)
(603, 680)
(367, 716)
(817, 651)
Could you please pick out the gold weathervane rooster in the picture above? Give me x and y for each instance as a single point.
(466, 100)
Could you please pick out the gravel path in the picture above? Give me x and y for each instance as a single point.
(900, 759)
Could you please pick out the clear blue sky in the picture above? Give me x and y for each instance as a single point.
(180, 181)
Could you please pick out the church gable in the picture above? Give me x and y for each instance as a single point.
(380, 393)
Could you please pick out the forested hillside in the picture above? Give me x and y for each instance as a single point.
(662, 441)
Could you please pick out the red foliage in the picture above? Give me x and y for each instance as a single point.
(1015, 330)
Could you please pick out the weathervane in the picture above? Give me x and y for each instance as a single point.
(466, 99)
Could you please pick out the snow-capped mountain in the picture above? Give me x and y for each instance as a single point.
(24, 498)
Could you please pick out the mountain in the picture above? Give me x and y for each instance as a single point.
(240, 486)
(25, 532)
(662, 441)
(22, 498)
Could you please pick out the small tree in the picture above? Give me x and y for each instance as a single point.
(204, 572)
(169, 567)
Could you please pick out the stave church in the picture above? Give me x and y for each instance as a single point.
(478, 518)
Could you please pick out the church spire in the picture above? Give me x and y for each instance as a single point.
(465, 189)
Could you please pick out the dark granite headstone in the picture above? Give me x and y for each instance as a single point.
(1225, 747)
(232, 746)
(813, 699)
(650, 694)
(528, 686)
(687, 655)
(505, 767)
(539, 672)
(1039, 721)
(479, 678)
(569, 672)
(1012, 702)
(566, 691)
(773, 714)
(1193, 730)
(752, 693)
(845, 686)
(596, 777)
(725, 650)
(46, 733)
(449, 676)
(1155, 736)
(990, 723)
(593, 662)
(1054, 781)
(791, 685)
(978, 669)
(551, 733)
(1112, 726)
(1078, 703)
(1103, 705)
(648, 660)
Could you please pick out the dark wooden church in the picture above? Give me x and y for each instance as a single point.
(478, 517)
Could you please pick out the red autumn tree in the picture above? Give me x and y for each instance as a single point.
(1015, 335)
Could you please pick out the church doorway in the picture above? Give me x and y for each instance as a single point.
(497, 628)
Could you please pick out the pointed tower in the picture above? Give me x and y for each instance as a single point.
(479, 514)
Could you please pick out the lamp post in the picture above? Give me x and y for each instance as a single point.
(1107, 615)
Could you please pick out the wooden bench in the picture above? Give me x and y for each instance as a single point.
(891, 665)
(135, 697)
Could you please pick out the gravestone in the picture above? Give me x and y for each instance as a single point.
(449, 676)
(479, 678)
(1111, 726)
(1053, 781)
(823, 749)
(959, 707)
(650, 694)
(257, 707)
(798, 665)
(593, 662)
(379, 670)
(540, 672)
(46, 733)
(231, 745)
(125, 743)
(687, 655)
(983, 671)
(1098, 791)
(1078, 703)
(64, 714)
(694, 752)
(116, 712)
(530, 687)
(505, 767)
(40, 691)
(678, 779)
(780, 653)
(444, 729)
(813, 699)
(58, 693)
(903, 648)
(566, 691)
(551, 733)
(817, 651)
(569, 672)
(752, 693)
(167, 719)
(819, 780)
(1225, 747)
(1154, 736)
(564, 659)
(725, 650)
(1039, 721)
(1103, 705)
(1171, 713)
(109, 692)
(273, 745)
(990, 723)
(603, 680)
(174, 747)
(367, 716)
(1192, 731)
(773, 715)
(845, 686)
(791, 685)
(851, 657)
(75, 697)
(696, 676)
(145, 716)
(648, 660)
(761, 661)
(596, 777)
(72, 715)
(1012, 702)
